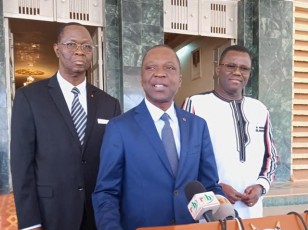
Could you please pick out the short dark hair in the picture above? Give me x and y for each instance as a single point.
(234, 48)
(157, 46)
(61, 29)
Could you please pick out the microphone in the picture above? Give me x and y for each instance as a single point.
(202, 204)
(225, 210)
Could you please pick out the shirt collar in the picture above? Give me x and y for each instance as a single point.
(67, 86)
(156, 112)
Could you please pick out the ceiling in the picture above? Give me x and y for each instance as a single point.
(34, 56)
(177, 41)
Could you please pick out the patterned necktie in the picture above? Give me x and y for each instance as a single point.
(169, 144)
(79, 116)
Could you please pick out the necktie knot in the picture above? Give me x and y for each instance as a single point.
(165, 118)
(75, 91)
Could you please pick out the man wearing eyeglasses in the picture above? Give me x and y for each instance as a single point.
(57, 129)
(241, 133)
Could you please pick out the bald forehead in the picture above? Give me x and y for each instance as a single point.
(72, 28)
(161, 47)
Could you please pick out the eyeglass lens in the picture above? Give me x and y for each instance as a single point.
(74, 46)
(233, 67)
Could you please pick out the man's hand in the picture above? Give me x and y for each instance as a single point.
(231, 193)
(253, 193)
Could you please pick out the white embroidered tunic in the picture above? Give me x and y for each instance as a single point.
(242, 140)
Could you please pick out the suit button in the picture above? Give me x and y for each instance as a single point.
(80, 188)
(176, 192)
(83, 161)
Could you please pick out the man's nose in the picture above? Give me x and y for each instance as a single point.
(79, 50)
(237, 71)
(160, 72)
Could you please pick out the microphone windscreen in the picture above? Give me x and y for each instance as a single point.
(193, 188)
(225, 210)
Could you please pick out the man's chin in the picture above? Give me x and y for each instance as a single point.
(79, 70)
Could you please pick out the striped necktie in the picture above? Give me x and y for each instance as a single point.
(169, 144)
(79, 116)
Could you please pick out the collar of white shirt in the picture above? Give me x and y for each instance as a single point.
(156, 112)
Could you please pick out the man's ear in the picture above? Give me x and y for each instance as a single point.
(56, 49)
(217, 70)
(180, 80)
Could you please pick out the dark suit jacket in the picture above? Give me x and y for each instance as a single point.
(53, 177)
(135, 185)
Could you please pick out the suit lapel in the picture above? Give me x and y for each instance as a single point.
(145, 121)
(184, 134)
(58, 98)
(91, 104)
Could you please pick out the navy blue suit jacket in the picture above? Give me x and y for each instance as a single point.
(135, 186)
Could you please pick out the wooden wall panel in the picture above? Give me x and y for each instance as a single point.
(300, 93)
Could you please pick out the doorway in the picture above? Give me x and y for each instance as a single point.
(32, 51)
(198, 78)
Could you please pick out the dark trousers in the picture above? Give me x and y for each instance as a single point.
(88, 223)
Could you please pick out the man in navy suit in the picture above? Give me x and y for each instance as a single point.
(53, 171)
(136, 186)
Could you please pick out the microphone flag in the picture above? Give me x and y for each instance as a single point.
(201, 203)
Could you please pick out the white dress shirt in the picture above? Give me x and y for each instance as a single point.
(156, 114)
(66, 88)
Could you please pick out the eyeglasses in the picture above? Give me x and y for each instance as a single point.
(230, 67)
(73, 46)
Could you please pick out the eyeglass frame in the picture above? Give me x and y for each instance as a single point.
(235, 67)
(77, 46)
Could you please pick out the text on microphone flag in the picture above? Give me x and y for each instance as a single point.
(202, 202)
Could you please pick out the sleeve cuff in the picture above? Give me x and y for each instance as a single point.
(265, 184)
(32, 227)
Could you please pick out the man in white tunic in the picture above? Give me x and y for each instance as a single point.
(241, 133)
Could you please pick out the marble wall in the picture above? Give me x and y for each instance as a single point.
(4, 137)
(142, 29)
(139, 27)
(265, 30)
(113, 48)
